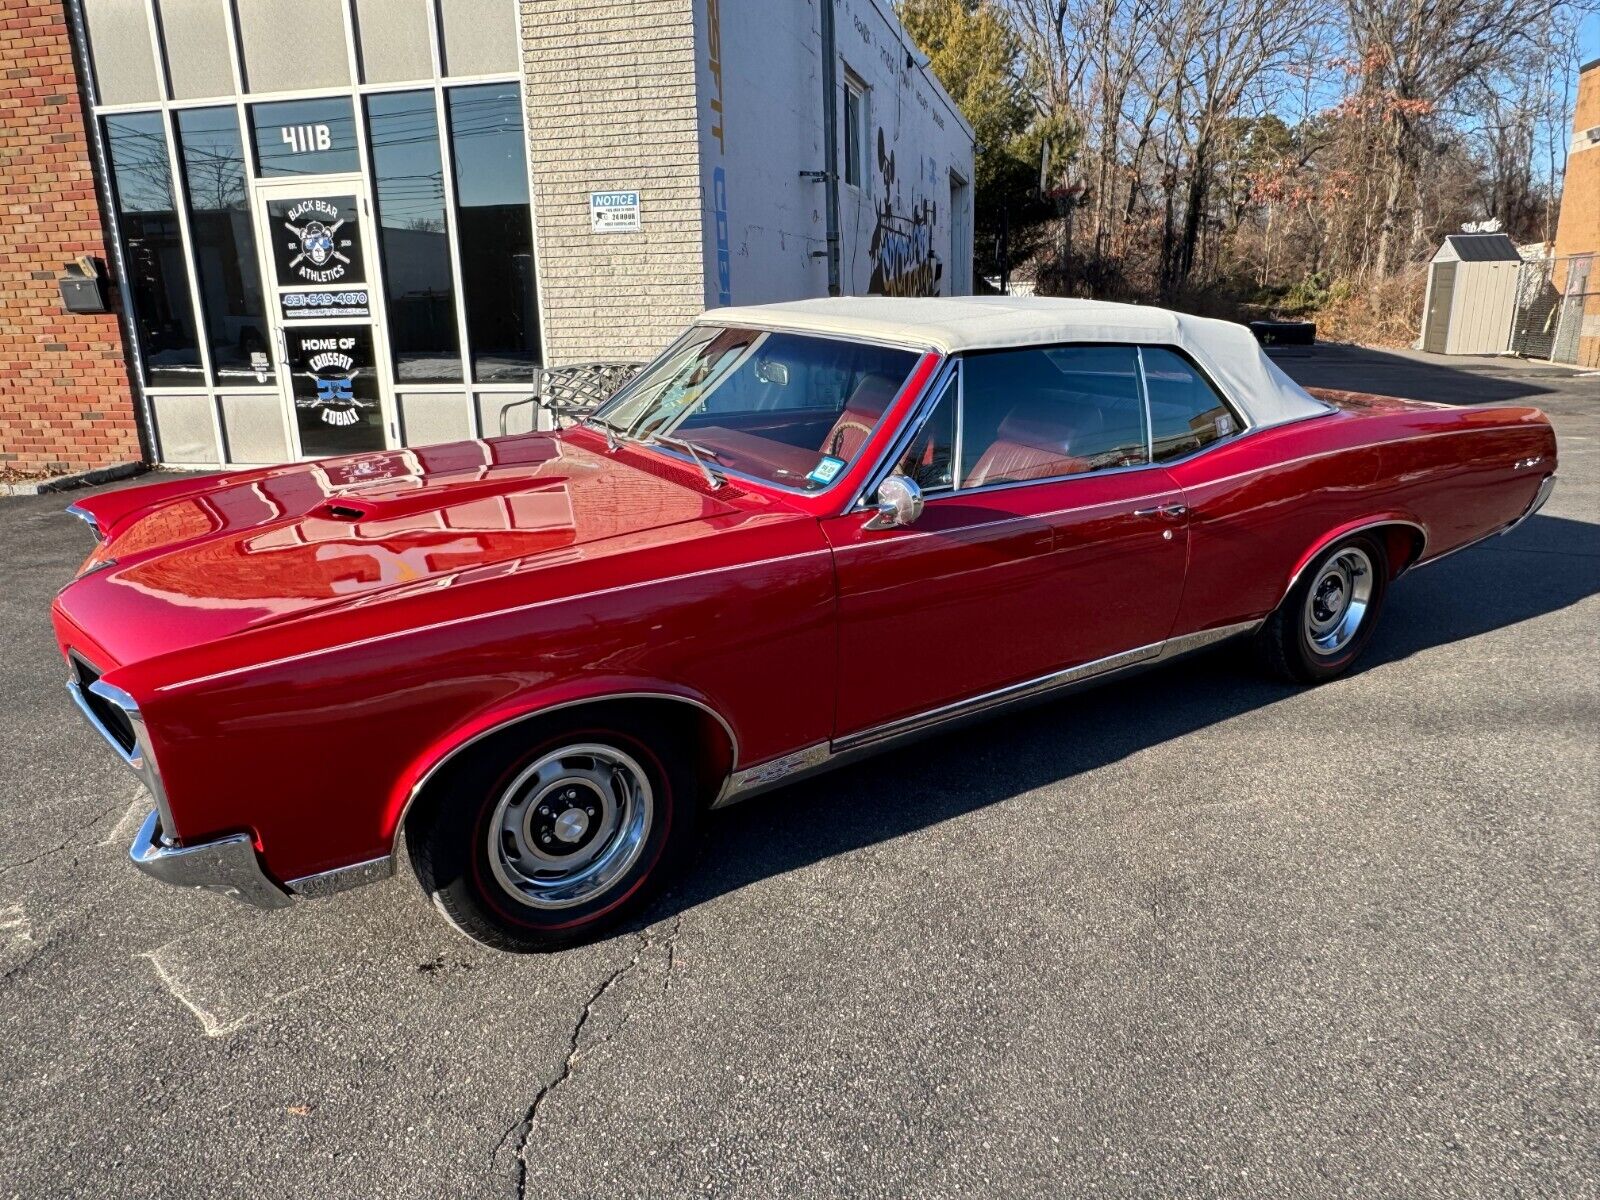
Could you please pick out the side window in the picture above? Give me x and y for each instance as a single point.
(1186, 413)
(1039, 414)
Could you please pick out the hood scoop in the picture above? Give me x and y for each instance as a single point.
(393, 503)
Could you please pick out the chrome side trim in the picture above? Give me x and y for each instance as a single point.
(141, 760)
(1189, 642)
(228, 865)
(427, 776)
(814, 760)
(1012, 693)
(88, 519)
(342, 879)
(773, 773)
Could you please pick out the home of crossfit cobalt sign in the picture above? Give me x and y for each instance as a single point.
(315, 241)
(614, 212)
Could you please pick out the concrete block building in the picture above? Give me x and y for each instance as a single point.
(251, 231)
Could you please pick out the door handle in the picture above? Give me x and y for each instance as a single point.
(1171, 512)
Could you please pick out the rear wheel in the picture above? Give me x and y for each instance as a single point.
(543, 841)
(1328, 617)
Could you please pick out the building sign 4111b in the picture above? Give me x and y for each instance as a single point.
(317, 241)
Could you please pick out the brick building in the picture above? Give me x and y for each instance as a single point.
(65, 400)
(1577, 246)
(333, 226)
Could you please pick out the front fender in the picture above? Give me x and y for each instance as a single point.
(567, 694)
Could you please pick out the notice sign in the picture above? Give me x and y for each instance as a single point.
(614, 212)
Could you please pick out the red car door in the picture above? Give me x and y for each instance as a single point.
(1061, 545)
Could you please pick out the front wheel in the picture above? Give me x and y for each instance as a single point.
(1328, 617)
(544, 844)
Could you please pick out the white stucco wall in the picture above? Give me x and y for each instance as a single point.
(759, 85)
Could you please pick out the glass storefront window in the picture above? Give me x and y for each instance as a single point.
(305, 137)
(163, 309)
(413, 236)
(495, 231)
(223, 241)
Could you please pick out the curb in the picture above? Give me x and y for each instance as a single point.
(65, 483)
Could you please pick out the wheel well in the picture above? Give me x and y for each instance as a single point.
(1403, 544)
(648, 716)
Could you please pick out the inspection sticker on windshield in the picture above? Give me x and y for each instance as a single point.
(827, 470)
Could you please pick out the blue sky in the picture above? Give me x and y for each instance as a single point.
(1589, 38)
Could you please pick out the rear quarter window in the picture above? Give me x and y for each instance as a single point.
(1186, 412)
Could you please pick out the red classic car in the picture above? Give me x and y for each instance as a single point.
(542, 657)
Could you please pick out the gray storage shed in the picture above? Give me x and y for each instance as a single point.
(1472, 295)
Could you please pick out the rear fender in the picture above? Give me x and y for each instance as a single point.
(1406, 542)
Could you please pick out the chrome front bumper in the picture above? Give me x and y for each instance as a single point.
(228, 865)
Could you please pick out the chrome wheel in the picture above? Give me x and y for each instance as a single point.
(1337, 602)
(570, 826)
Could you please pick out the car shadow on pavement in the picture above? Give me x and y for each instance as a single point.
(1363, 369)
(1548, 564)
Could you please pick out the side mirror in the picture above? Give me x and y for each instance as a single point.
(899, 503)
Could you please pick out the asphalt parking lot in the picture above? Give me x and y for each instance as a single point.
(1194, 933)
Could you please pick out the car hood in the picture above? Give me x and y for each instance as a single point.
(199, 559)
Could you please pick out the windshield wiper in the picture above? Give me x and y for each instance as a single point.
(611, 430)
(714, 479)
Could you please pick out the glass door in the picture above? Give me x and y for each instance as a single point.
(316, 237)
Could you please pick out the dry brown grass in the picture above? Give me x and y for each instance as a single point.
(1386, 313)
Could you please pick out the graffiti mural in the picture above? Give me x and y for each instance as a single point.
(903, 258)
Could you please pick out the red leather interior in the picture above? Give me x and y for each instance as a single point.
(861, 413)
(1036, 441)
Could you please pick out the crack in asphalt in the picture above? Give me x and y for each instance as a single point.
(529, 1121)
(39, 857)
(7, 868)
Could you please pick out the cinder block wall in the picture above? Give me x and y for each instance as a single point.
(611, 106)
(65, 399)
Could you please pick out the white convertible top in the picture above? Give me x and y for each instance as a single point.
(1229, 353)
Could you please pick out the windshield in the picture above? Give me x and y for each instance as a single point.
(783, 407)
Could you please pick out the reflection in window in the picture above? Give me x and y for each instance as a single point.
(1186, 414)
(789, 408)
(495, 230)
(1040, 414)
(403, 132)
(305, 137)
(163, 310)
(224, 245)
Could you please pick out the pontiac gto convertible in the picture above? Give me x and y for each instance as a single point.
(804, 533)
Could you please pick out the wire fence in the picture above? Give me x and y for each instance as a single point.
(1558, 311)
